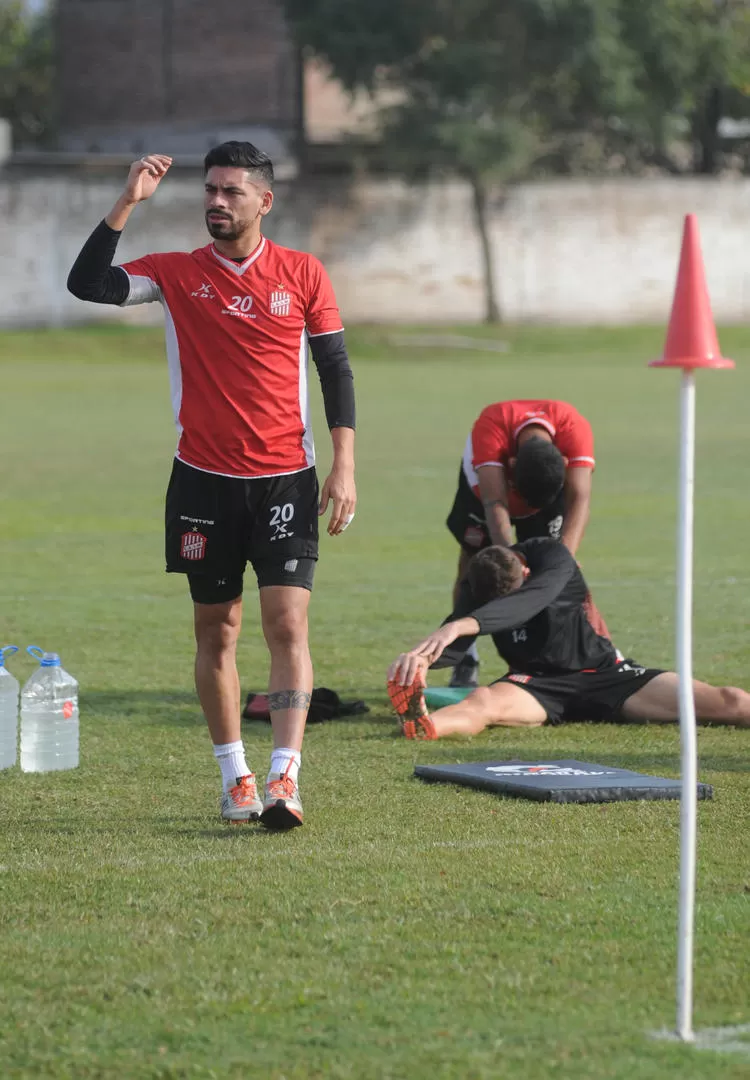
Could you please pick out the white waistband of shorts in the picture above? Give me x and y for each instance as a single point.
(243, 476)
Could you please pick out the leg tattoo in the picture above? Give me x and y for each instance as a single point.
(288, 699)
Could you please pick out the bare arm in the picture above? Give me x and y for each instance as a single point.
(339, 486)
(405, 667)
(143, 180)
(92, 276)
(493, 492)
(577, 497)
(552, 567)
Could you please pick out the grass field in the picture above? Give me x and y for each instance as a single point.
(407, 930)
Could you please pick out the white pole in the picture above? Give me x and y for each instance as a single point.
(688, 742)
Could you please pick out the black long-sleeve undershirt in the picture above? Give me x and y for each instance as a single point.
(553, 572)
(543, 626)
(547, 580)
(92, 277)
(336, 379)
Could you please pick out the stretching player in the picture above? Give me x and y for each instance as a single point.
(239, 314)
(532, 599)
(528, 465)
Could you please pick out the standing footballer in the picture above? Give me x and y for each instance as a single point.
(239, 315)
(528, 465)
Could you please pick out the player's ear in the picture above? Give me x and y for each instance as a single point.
(266, 203)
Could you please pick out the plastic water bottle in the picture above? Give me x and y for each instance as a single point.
(49, 716)
(8, 711)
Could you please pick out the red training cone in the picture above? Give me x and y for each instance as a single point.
(691, 337)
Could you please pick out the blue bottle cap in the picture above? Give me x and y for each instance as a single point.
(46, 659)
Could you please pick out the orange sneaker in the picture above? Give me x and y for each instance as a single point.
(242, 803)
(409, 703)
(282, 808)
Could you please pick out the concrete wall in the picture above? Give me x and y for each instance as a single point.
(567, 251)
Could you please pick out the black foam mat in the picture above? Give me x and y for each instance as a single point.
(565, 781)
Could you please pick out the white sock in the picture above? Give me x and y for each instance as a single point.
(231, 759)
(472, 652)
(283, 758)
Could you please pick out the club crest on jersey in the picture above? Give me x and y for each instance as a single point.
(193, 546)
(280, 303)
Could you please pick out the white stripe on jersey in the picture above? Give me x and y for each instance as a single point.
(467, 463)
(468, 467)
(536, 421)
(236, 476)
(308, 444)
(174, 367)
(143, 290)
(240, 268)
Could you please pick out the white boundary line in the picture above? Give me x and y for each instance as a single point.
(721, 1040)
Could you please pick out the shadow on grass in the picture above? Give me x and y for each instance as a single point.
(653, 763)
(718, 763)
(131, 701)
(655, 760)
(357, 720)
(179, 708)
(243, 832)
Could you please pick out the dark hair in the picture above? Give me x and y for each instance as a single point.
(240, 155)
(539, 472)
(494, 571)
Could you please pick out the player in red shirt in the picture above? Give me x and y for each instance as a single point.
(527, 464)
(240, 314)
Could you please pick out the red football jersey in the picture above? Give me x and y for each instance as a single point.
(493, 440)
(237, 351)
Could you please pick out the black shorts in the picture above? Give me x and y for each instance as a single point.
(467, 521)
(585, 695)
(216, 524)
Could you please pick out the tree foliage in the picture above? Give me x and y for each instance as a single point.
(464, 73)
(475, 80)
(677, 67)
(499, 90)
(27, 73)
(591, 85)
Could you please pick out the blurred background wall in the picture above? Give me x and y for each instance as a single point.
(600, 251)
(523, 161)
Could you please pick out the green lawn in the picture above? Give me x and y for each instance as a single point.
(407, 930)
